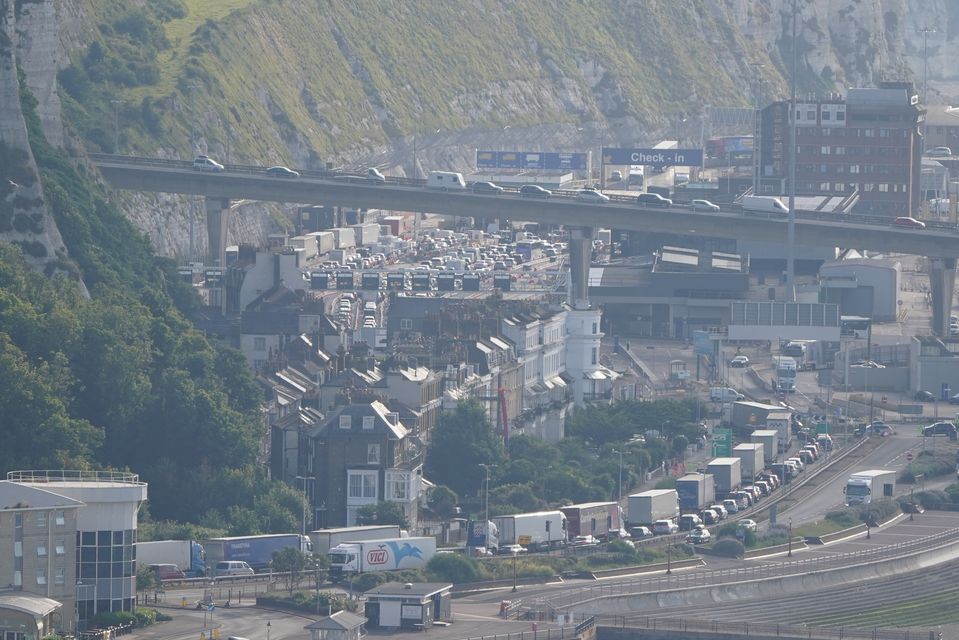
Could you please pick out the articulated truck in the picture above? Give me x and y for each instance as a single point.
(864, 487)
(364, 556)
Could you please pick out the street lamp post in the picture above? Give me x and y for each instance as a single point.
(268, 625)
(486, 467)
(514, 572)
(669, 559)
(619, 495)
(305, 499)
(791, 222)
(789, 554)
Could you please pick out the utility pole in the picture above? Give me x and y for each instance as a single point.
(619, 496)
(925, 31)
(486, 467)
(305, 499)
(791, 225)
(757, 128)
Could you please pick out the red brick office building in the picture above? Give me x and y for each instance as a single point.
(866, 147)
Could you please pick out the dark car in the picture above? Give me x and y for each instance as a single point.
(487, 187)
(653, 200)
(283, 172)
(924, 396)
(940, 429)
(534, 191)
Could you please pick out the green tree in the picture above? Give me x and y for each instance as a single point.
(463, 440)
(443, 501)
(382, 513)
(146, 579)
(290, 563)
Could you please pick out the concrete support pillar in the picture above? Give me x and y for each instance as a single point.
(217, 217)
(942, 280)
(580, 252)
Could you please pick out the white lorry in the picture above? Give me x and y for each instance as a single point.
(786, 368)
(391, 554)
(325, 539)
(187, 555)
(542, 529)
(865, 487)
(649, 506)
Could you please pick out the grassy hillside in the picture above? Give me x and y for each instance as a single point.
(307, 80)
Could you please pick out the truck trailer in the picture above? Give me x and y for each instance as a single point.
(389, 554)
(727, 474)
(325, 539)
(539, 530)
(768, 438)
(256, 551)
(187, 555)
(598, 519)
(751, 459)
(649, 506)
(695, 491)
(864, 487)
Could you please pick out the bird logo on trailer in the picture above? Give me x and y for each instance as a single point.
(381, 555)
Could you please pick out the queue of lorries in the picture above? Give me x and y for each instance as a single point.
(349, 549)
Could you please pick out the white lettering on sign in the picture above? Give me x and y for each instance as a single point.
(638, 157)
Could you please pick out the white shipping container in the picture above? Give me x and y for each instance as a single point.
(649, 506)
(769, 439)
(325, 241)
(366, 234)
(345, 238)
(751, 458)
(726, 473)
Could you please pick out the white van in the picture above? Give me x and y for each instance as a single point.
(725, 394)
(445, 180)
(764, 204)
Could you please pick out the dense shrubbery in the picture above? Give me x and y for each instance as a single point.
(120, 379)
(308, 601)
(729, 548)
(928, 465)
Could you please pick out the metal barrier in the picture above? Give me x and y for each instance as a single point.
(843, 218)
(747, 629)
(741, 574)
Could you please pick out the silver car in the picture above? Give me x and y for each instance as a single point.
(704, 205)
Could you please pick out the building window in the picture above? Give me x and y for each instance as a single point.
(60, 548)
(60, 576)
(41, 575)
(884, 133)
(18, 578)
(367, 422)
(372, 454)
(839, 186)
(42, 519)
(406, 324)
(883, 187)
(363, 485)
(345, 422)
(840, 151)
(869, 133)
(595, 328)
(60, 519)
(259, 344)
(595, 357)
(811, 115)
(824, 150)
(824, 186)
(42, 549)
(398, 487)
(826, 115)
(17, 549)
(868, 186)
(854, 168)
(840, 115)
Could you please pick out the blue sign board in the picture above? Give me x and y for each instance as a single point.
(531, 160)
(656, 157)
(702, 344)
